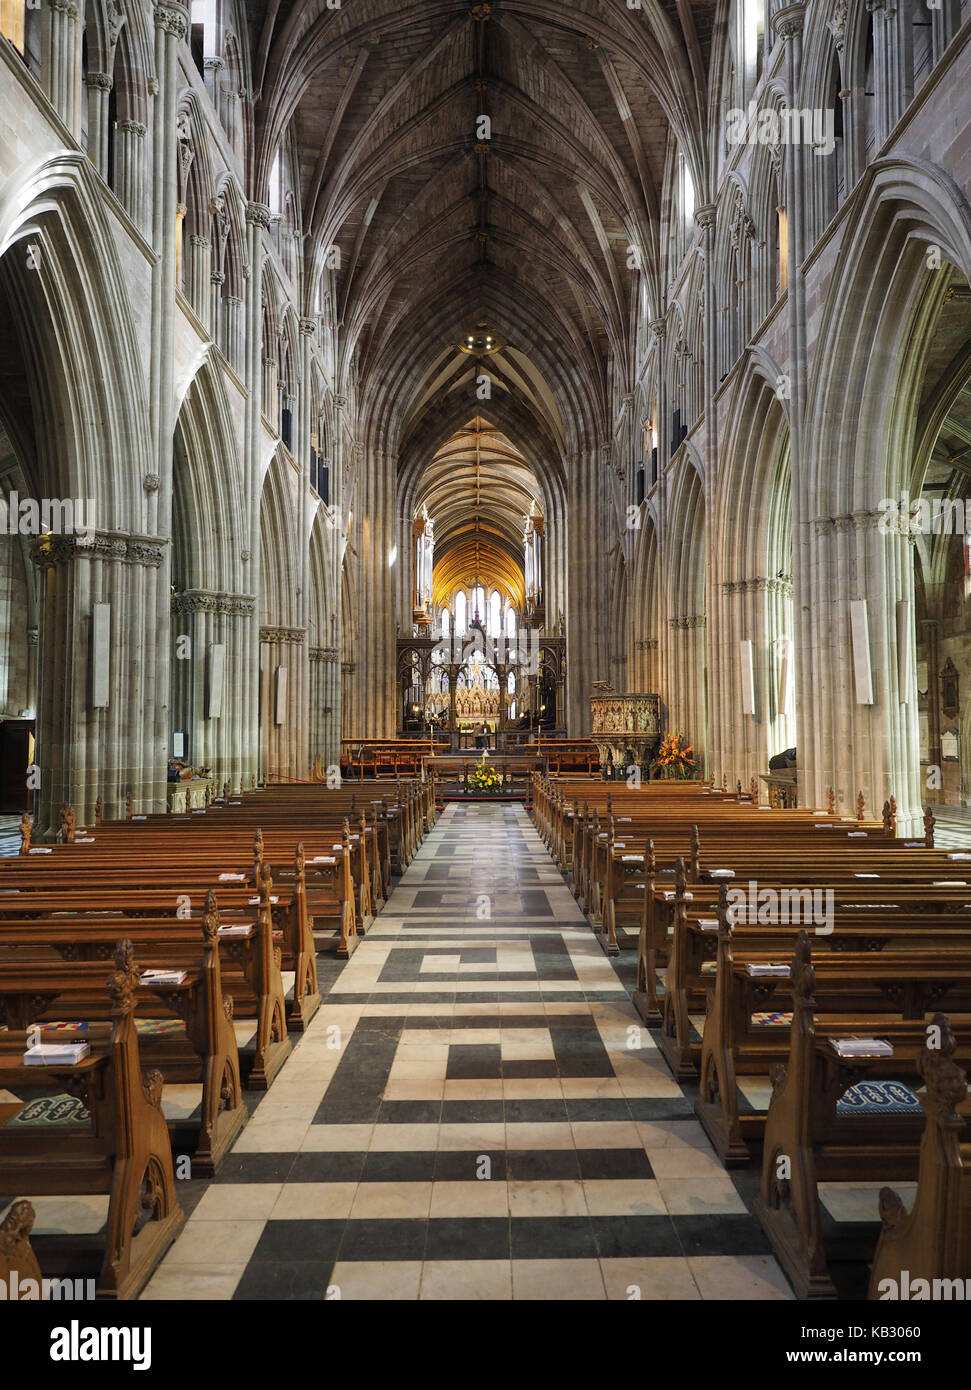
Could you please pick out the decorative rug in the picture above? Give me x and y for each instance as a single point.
(879, 1098)
(145, 1027)
(59, 1111)
(158, 1027)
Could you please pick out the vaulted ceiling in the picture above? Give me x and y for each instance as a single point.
(485, 164)
(478, 490)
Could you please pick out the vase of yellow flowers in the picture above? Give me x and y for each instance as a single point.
(674, 758)
(484, 779)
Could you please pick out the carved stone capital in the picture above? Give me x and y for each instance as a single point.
(294, 635)
(308, 327)
(689, 622)
(258, 214)
(327, 654)
(103, 81)
(211, 601)
(48, 551)
(705, 215)
(171, 18)
(789, 21)
(132, 128)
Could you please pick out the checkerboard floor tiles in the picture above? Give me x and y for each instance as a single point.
(475, 1113)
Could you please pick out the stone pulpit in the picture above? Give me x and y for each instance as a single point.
(626, 729)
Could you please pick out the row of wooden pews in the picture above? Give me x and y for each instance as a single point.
(810, 979)
(213, 921)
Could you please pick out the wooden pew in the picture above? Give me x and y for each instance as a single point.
(933, 1240)
(808, 1141)
(34, 984)
(918, 970)
(124, 1151)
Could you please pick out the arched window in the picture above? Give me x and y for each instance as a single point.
(446, 618)
(511, 683)
(461, 609)
(478, 603)
(495, 614)
(275, 191)
(511, 622)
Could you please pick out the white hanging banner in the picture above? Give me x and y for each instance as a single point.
(785, 673)
(100, 655)
(217, 666)
(748, 677)
(905, 650)
(860, 634)
(281, 695)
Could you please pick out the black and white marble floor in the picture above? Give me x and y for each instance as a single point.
(475, 1113)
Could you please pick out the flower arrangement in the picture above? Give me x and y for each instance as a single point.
(484, 778)
(673, 758)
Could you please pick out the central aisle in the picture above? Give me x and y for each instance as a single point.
(474, 1113)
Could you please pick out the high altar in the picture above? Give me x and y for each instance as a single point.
(625, 728)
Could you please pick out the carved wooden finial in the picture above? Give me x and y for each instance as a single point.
(893, 815)
(946, 1082)
(753, 790)
(772, 800)
(15, 1248)
(123, 983)
(650, 860)
(831, 807)
(69, 822)
(860, 806)
(695, 852)
(680, 877)
(266, 883)
(724, 911)
(26, 830)
(929, 823)
(803, 976)
(210, 918)
(128, 806)
(227, 791)
(724, 781)
(99, 811)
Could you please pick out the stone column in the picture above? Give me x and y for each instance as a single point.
(113, 750)
(208, 619)
(61, 62)
(129, 171)
(324, 665)
(853, 746)
(705, 691)
(375, 711)
(882, 97)
(284, 736)
(932, 631)
(234, 328)
(586, 616)
(99, 85)
(198, 277)
(257, 223)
